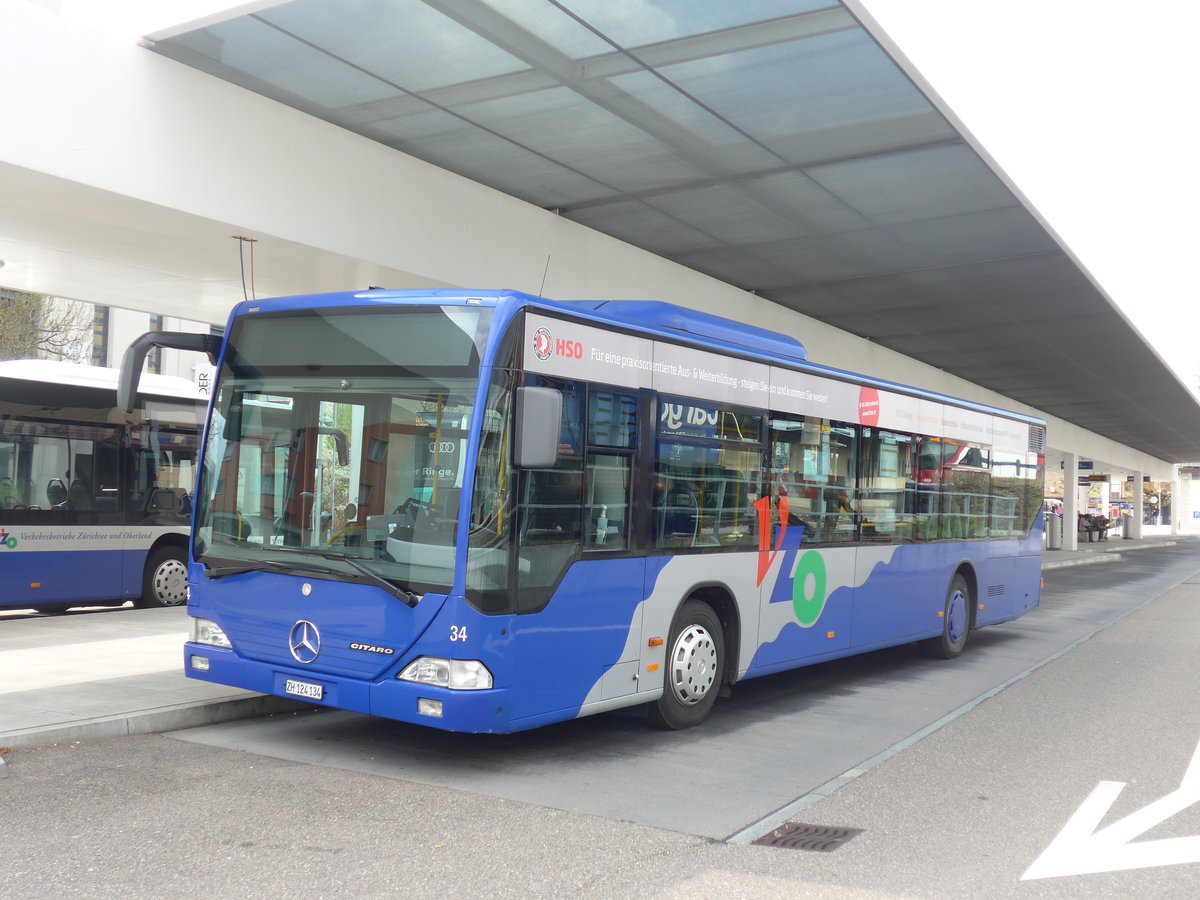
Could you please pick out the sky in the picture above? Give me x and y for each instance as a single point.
(1090, 108)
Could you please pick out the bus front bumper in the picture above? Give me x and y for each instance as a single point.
(421, 704)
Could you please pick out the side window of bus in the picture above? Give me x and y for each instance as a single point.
(16, 485)
(929, 452)
(966, 490)
(612, 430)
(1009, 482)
(58, 472)
(813, 465)
(164, 472)
(707, 476)
(953, 489)
(886, 488)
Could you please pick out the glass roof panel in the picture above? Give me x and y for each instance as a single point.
(449, 142)
(585, 136)
(654, 230)
(633, 23)
(697, 127)
(920, 184)
(553, 26)
(1005, 232)
(264, 54)
(728, 214)
(821, 97)
(402, 41)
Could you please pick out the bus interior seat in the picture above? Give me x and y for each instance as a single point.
(56, 492)
(678, 515)
(79, 496)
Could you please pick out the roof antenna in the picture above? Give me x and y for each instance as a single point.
(545, 271)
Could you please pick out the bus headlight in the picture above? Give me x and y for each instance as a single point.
(456, 674)
(206, 631)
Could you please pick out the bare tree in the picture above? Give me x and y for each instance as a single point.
(35, 326)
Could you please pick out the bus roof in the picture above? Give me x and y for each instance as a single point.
(651, 317)
(80, 375)
(671, 321)
(717, 329)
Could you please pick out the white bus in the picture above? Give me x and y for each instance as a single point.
(95, 505)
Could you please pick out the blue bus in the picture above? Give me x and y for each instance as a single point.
(95, 506)
(487, 511)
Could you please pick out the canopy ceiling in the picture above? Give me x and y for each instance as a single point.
(773, 144)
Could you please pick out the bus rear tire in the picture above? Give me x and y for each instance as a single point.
(956, 621)
(695, 661)
(164, 582)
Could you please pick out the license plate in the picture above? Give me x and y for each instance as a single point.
(304, 689)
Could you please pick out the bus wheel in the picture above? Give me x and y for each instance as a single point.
(956, 622)
(695, 661)
(165, 580)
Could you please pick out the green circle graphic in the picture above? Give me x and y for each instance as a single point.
(808, 605)
(12, 543)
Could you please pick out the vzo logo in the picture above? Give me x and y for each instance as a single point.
(8, 540)
(806, 587)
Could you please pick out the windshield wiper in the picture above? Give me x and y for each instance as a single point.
(409, 598)
(402, 594)
(263, 565)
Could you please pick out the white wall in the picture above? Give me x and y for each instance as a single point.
(126, 325)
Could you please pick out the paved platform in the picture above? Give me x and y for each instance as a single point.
(99, 673)
(1108, 550)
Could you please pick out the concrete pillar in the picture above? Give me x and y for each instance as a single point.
(1139, 502)
(1176, 496)
(1070, 501)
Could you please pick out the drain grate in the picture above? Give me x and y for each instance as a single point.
(796, 836)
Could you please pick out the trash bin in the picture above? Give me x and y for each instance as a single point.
(1126, 526)
(1054, 532)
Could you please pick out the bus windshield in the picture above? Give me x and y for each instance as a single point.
(350, 466)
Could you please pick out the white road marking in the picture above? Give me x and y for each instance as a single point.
(1080, 849)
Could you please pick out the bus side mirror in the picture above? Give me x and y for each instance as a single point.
(538, 419)
(135, 357)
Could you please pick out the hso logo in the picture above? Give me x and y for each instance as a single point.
(543, 344)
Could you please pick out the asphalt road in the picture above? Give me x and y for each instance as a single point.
(1098, 687)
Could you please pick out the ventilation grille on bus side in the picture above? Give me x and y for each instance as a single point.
(1037, 438)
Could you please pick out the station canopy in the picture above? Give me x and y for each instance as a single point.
(773, 144)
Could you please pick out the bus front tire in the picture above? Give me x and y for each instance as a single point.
(164, 582)
(694, 663)
(956, 621)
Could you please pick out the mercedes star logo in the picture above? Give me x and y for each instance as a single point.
(304, 641)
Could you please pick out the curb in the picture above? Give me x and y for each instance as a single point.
(1092, 560)
(164, 718)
